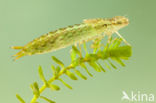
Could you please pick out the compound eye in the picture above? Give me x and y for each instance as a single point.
(119, 22)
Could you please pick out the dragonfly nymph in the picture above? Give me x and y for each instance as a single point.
(89, 29)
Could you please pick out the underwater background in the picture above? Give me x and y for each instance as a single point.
(23, 20)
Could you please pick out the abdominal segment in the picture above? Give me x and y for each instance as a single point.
(60, 39)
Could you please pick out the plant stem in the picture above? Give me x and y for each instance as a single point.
(90, 57)
(50, 81)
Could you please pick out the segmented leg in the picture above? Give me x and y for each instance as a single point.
(96, 41)
(80, 50)
(109, 39)
(122, 38)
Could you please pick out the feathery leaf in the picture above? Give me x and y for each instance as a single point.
(42, 75)
(58, 61)
(119, 61)
(80, 74)
(54, 87)
(101, 67)
(112, 64)
(76, 50)
(107, 65)
(35, 89)
(73, 55)
(20, 98)
(84, 66)
(71, 75)
(67, 85)
(95, 66)
(46, 99)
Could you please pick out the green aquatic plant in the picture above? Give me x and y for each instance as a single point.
(111, 51)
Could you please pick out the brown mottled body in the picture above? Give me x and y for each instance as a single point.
(89, 29)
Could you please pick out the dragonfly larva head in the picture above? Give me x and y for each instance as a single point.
(119, 21)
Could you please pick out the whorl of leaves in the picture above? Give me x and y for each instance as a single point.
(112, 51)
